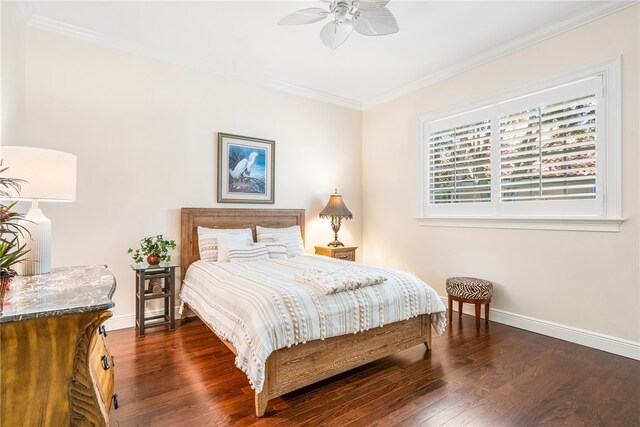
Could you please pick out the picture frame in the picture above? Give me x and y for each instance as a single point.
(246, 168)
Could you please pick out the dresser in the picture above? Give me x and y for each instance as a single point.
(55, 366)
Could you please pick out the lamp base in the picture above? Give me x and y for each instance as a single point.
(335, 244)
(38, 242)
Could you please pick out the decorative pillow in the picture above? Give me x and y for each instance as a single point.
(208, 240)
(227, 242)
(275, 249)
(255, 252)
(290, 236)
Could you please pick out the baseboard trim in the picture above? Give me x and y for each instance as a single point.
(591, 339)
(121, 321)
(124, 321)
(619, 346)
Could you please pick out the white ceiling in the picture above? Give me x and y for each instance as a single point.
(241, 39)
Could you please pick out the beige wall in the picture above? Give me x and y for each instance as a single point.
(12, 72)
(587, 280)
(144, 132)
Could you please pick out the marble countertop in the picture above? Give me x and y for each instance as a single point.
(65, 290)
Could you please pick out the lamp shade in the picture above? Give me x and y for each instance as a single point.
(49, 175)
(336, 208)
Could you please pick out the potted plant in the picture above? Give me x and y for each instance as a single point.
(155, 248)
(11, 250)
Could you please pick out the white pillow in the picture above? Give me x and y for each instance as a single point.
(290, 236)
(208, 240)
(255, 252)
(227, 242)
(276, 250)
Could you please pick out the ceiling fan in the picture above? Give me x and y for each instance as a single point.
(367, 17)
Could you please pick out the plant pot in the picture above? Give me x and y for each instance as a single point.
(153, 259)
(4, 285)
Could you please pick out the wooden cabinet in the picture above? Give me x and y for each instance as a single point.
(101, 364)
(55, 366)
(347, 253)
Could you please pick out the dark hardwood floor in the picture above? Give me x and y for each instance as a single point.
(498, 376)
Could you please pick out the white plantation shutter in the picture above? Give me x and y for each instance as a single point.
(548, 152)
(541, 154)
(460, 164)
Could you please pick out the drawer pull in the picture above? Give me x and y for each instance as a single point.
(102, 330)
(115, 401)
(105, 362)
(343, 256)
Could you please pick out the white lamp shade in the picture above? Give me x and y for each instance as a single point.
(50, 175)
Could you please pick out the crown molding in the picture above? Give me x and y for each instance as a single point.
(34, 20)
(51, 25)
(515, 45)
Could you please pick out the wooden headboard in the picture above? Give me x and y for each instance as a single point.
(191, 218)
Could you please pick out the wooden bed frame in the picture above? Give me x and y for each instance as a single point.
(292, 368)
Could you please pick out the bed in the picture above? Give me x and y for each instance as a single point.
(311, 360)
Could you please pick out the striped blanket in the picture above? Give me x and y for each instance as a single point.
(259, 307)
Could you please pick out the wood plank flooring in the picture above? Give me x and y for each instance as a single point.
(498, 376)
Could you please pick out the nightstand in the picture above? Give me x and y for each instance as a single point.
(163, 276)
(347, 253)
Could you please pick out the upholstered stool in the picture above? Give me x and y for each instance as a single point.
(470, 290)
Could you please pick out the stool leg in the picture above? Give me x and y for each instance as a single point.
(477, 315)
(459, 309)
(486, 313)
(450, 308)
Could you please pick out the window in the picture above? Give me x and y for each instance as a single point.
(548, 156)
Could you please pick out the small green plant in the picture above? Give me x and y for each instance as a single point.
(153, 245)
(11, 251)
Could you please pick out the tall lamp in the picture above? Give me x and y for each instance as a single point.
(336, 211)
(50, 176)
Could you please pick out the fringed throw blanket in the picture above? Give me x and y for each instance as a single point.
(331, 280)
(260, 308)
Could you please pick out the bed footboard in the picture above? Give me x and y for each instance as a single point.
(292, 368)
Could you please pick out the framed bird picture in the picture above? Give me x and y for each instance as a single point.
(245, 169)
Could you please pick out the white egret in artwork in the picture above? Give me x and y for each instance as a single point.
(243, 166)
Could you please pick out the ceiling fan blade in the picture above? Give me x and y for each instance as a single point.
(334, 34)
(375, 22)
(304, 16)
(372, 4)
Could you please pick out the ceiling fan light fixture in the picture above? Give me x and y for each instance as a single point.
(367, 17)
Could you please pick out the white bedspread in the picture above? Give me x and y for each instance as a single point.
(259, 307)
(339, 279)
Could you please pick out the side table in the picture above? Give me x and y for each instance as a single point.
(166, 273)
(347, 253)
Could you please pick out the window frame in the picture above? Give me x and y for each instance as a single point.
(609, 162)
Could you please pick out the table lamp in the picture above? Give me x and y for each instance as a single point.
(336, 211)
(50, 176)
